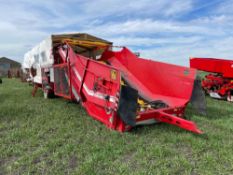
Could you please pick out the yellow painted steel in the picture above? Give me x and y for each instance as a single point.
(122, 83)
(143, 105)
(141, 102)
(113, 74)
(88, 44)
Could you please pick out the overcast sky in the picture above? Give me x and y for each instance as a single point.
(165, 30)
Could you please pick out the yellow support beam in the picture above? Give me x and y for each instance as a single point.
(83, 43)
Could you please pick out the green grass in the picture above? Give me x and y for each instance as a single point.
(55, 136)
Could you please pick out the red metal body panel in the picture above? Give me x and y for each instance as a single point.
(91, 83)
(154, 80)
(221, 66)
(167, 116)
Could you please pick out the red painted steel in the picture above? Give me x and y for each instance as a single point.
(167, 116)
(97, 86)
(154, 80)
(221, 66)
(219, 84)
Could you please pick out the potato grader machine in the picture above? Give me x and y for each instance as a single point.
(115, 87)
(219, 83)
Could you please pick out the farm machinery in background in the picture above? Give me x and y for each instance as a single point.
(115, 87)
(219, 83)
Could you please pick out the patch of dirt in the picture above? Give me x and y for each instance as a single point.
(128, 157)
(187, 151)
(40, 158)
(73, 162)
(4, 163)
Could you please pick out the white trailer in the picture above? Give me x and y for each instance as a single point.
(42, 56)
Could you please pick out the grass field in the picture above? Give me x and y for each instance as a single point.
(54, 136)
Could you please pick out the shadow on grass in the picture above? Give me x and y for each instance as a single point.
(145, 130)
(212, 112)
(215, 113)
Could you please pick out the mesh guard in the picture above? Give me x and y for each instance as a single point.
(61, 80)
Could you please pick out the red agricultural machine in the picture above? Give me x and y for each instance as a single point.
(219, 83)
(115, 87)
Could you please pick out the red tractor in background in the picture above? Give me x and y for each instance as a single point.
(219, 83)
